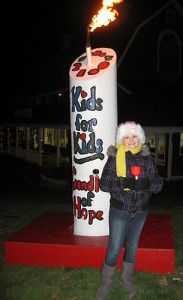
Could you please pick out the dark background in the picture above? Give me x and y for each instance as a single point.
(40, 41)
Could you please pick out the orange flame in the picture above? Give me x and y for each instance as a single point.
(105, 15)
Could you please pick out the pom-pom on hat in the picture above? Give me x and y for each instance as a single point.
(130, 127)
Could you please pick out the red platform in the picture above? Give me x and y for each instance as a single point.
(48, 241)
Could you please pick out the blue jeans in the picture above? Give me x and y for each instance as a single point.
(124, 226)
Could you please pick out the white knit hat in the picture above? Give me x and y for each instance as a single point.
(130, 127)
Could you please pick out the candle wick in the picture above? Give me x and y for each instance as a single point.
(88, 37)
(88, 46)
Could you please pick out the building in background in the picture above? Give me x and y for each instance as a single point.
(150, 91)
(37, 129)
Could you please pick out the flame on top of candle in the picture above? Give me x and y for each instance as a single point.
(105, 15)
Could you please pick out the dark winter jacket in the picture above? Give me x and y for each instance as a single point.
(130, 200)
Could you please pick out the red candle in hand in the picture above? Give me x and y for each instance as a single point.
(136, 171)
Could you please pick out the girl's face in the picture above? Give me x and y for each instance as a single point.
(131, 141)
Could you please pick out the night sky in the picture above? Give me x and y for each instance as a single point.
(40, 42)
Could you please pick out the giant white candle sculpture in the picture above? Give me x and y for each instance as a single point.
(93, 115)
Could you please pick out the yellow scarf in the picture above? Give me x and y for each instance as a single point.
(121, 158)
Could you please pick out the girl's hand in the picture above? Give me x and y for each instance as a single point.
(143, 184)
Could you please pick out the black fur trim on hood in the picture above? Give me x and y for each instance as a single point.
(112, 150)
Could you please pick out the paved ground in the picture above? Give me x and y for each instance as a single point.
(19, 182)
(11, 167)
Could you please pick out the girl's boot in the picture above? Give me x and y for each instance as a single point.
(126, 275)
(107, 275)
